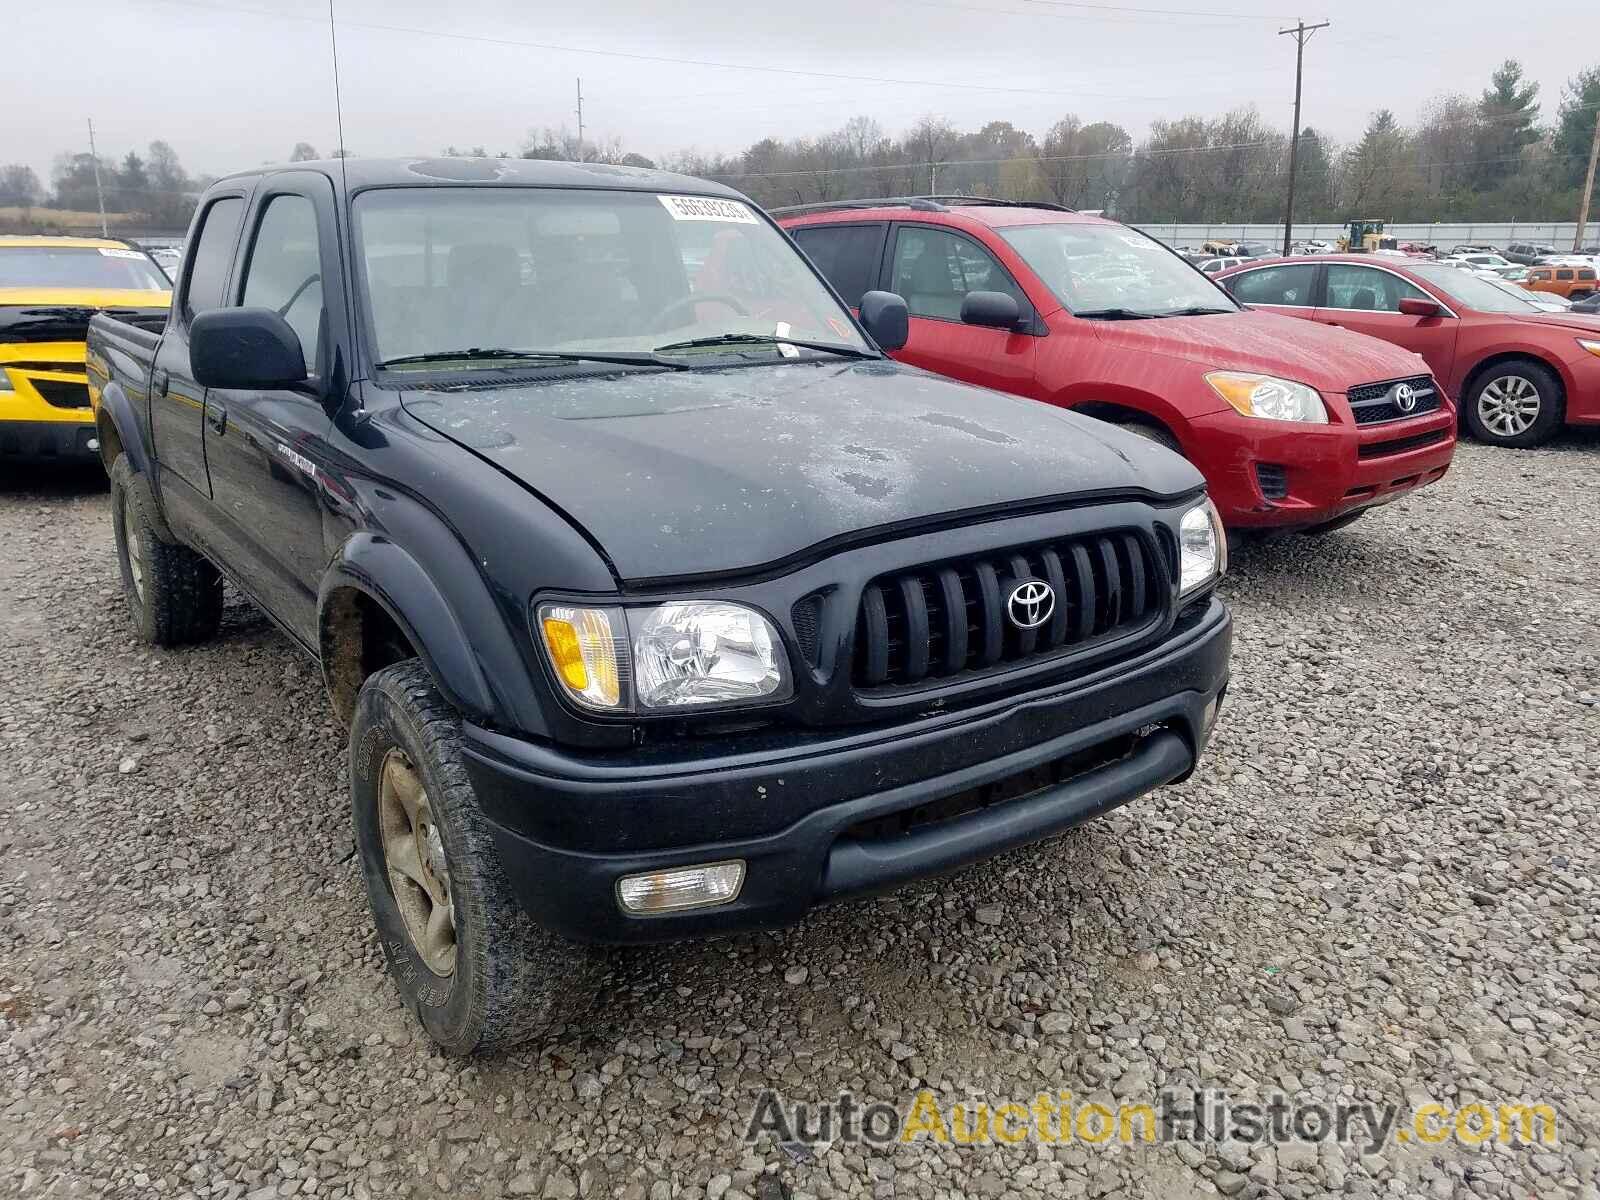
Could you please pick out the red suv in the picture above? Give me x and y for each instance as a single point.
(1517, 370)
(1292, 427)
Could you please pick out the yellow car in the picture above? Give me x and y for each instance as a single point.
(49, 288)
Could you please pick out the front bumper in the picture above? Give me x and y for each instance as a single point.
(47, 441)
(808, 812)
(1317, 473)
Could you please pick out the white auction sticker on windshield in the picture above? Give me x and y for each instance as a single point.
(708, 208)
(110, 252)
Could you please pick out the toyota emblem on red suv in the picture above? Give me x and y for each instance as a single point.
(1031, 603)
(1405, 397)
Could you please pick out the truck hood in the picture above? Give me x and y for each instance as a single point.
(721, 471)
(1327, 358)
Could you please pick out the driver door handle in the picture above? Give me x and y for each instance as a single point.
(159, 380)
(216, 417)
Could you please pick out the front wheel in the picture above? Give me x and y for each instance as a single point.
(1515, 404)
(469, 962)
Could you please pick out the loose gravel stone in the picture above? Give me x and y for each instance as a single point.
(1381, 884)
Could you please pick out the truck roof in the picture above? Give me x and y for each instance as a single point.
(359, 173)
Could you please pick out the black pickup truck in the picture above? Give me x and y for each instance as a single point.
(658, 601)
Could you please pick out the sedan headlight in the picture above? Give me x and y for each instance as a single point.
(1591, 346)
(671, 656)
(1269, 397)
(1202, 548)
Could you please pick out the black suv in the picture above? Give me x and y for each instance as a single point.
(657, 600)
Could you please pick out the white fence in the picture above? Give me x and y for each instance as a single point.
(1492, 233)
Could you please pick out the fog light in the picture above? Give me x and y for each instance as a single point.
(682, 887)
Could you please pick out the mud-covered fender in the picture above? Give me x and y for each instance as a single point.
(116, 410)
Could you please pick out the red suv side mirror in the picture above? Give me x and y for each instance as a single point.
(1411, 306)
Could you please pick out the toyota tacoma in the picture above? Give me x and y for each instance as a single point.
(658, 601)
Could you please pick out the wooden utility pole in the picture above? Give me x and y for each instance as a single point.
(1302, 34)
(1588, 188)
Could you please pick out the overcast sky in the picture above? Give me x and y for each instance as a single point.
(231, 85)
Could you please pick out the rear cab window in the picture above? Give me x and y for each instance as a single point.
(213, 254)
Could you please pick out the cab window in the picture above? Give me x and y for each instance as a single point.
(284, 271)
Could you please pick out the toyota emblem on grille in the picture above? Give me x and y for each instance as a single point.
(1030, 604)
(1405, 397)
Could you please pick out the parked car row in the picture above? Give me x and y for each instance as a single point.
(1519, 372)
(1292, 428)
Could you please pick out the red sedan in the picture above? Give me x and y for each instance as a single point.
(1517, 371)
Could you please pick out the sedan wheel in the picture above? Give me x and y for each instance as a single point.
(1509, 406)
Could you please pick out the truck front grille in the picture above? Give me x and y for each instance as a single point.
(1372, 403)
(950, 618)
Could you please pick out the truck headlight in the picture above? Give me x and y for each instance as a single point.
(1269, 397)
(670, 656)
(1202, 548)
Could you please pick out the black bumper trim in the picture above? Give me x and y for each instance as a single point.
(859, 867)
(47, 441)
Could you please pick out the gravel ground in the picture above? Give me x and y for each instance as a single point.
(1381, 885)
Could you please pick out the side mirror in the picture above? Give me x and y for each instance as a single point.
(1411, 306)
(245, 348)
(992, 310)
(885, 318)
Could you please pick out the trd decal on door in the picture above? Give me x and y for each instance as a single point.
(299, 460)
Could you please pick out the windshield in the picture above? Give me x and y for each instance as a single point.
(110, 267)
(1091, 268)
(1486, 295)
(573, 271)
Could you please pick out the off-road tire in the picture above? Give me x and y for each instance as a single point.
(511, 979)
(178, 597)
(1552, 403)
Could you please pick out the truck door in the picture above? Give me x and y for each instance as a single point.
(177, 402)
(933, 269)
(265, 449)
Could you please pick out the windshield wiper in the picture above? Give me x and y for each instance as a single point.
(764, 339)
(1195, 310)
(1116, 314)
(495, 353)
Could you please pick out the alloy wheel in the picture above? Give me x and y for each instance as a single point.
(130, 539)
(413, 852)
(1509, 405)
